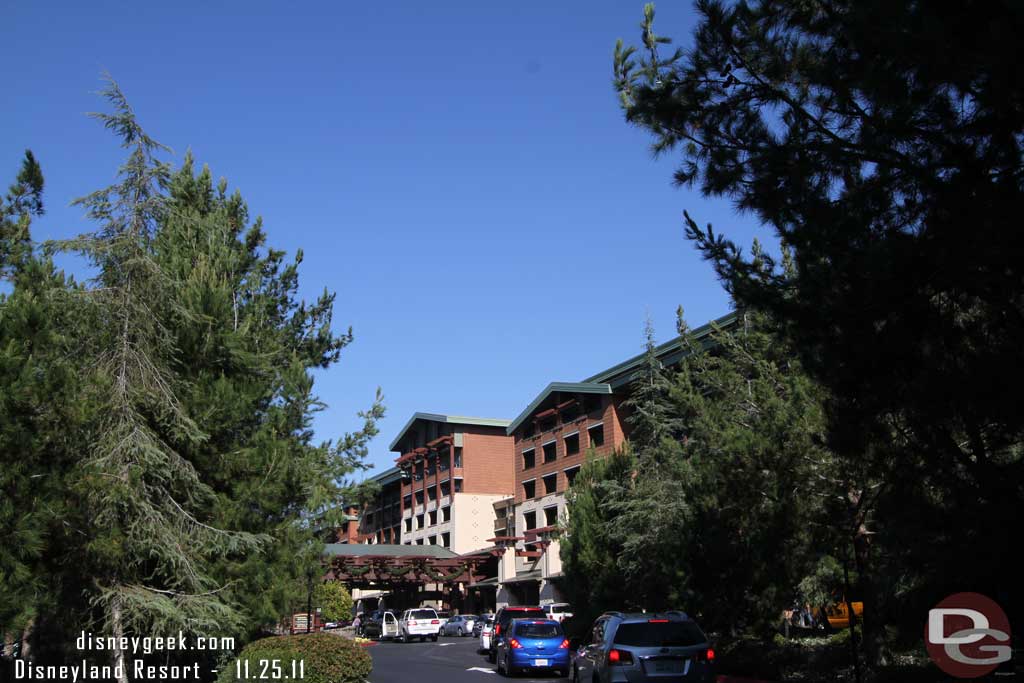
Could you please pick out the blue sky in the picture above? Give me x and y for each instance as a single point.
(459, 173)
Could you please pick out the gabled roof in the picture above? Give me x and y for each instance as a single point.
(564, 387)
(450, 419)
(668, 353)
(386, 550)
(388, 476)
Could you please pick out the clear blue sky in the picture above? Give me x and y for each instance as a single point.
(459, 173)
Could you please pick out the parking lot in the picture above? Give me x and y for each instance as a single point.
(449, 659)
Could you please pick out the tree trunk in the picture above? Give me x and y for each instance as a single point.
(26, 638)
(9, 637)
(854, 650)
(117, 626)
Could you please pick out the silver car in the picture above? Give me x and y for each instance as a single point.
(459, 625)
(645, 647)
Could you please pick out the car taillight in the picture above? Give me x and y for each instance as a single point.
(707, 655)
(564, 645)
(435, 621)
(620, 657)
(412, 622)
(657, 621)
(497, 630)
(514, 644)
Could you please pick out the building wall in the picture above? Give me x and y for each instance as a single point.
(487, 460)
(473, 520)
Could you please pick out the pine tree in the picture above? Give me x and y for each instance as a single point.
(151, 543)
(650, 412)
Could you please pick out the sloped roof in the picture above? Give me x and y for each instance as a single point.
(450, 419)
(386, 550)
(565, 387)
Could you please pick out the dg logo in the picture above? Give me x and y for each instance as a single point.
(968, 635)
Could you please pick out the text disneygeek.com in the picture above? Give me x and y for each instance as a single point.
(132, 647)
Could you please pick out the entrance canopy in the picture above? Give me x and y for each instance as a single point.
(380, 565)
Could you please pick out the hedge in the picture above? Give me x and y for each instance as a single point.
(328, 658)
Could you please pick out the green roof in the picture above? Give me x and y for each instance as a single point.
(668, 353)
(565, 387)
(386, 549)
(450, 419)
(387, 476)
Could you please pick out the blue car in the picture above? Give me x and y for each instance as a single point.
(533, 645)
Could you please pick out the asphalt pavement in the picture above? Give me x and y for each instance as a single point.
(450, 659)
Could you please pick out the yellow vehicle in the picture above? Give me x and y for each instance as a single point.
(838, 614)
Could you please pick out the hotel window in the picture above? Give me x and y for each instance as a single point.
(432, 494)
(458, 456)
(458, 486)
(530, 518)
(419, 497)
(596, 434)
(528, 459)
(446, 488)
(572, 444)
(408, 501)
(408, 524)
(433, 540)
(551, 516)
(446, 540)
(529, 488)
(550, 452)
(419, 541)
(419, 522)
(551, 483)
(570, 475)
(444, 462)
(433, 518)
(446, 514)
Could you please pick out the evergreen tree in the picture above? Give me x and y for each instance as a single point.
(891, 165)
(649, 410)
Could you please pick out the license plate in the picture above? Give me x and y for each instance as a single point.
(540, 662)
(666, 666)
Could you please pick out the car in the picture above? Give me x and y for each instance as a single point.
(533, 645)
(502, 619)
(444, 617)
(421, 623)
(459, 625)
(382, 625)
(645, 647)
(482, 630)
(559, 611)
(481, 620)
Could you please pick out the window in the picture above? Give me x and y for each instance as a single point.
(458, 456)
(528, 459)
(596, 434)
(551, 483)
(419, 497)
(419, 522)
(446, 488)
(572, 444)
(419, 541)
(407, 501)
(419, 472)
(458, 486)
(432, 494)
(446, 540)
(549, 452)
(551, 516)
(433, 540)
(443, 463)
(530, 518)
(529, 488)
(408, 524)
(433, 518)
(446, 514)
(570, 475)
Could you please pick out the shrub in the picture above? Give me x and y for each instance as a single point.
(328, 658)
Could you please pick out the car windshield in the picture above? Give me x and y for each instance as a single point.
(538, 630)
(423, 614)
(659, 634)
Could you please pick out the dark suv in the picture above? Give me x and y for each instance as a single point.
(640, 647)
(502, 619)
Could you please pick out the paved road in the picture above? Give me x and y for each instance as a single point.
(450, 659)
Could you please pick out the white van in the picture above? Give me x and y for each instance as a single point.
(559, 611)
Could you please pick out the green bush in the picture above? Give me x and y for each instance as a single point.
(328, 658)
